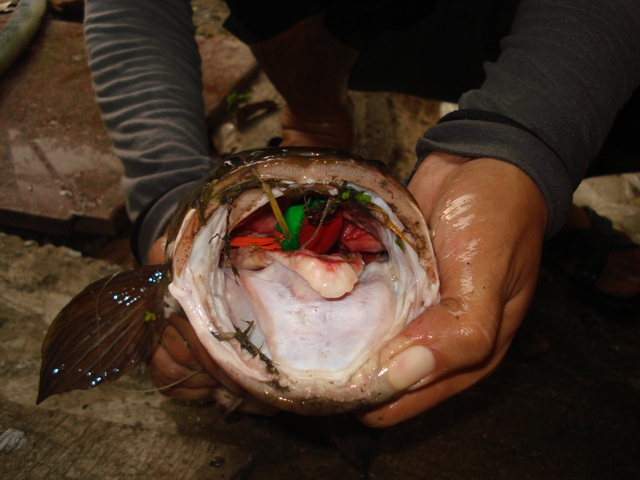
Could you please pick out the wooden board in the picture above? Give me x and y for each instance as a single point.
(63, 446)
(57, 170)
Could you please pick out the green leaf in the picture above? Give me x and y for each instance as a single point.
(363, 197)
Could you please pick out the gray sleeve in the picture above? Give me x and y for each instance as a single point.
(147, 78)
(550, 99)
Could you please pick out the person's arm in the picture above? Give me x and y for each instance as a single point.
(518, 147)
(146, 72)
(549, 101)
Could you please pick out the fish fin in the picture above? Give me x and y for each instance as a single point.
(354, 439)
(103, 332)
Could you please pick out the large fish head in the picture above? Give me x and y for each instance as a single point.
(295, 267)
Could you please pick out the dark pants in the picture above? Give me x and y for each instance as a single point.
(430, 49)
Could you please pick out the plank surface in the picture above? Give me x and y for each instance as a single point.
(57, 170)
(63, 446)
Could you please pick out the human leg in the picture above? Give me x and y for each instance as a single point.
(310, 68)
(413, 48)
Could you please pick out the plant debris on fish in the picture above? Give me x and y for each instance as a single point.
(294, 266)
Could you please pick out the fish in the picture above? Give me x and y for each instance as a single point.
(295, 266)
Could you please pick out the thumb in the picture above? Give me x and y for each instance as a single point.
(440, 355)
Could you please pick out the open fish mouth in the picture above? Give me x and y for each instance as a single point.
(295, 267)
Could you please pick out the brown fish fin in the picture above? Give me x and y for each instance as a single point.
(102, 333)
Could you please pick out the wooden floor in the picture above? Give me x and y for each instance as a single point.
(36, 443)
(57, 171)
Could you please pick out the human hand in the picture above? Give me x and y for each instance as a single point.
(182, 368)
(488, 220)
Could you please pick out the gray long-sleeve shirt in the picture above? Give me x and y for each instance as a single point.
(566, 69)
(146, 73)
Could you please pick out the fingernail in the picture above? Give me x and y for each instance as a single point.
(410, 366)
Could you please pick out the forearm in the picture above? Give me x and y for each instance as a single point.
(146, 72)
(565, 71)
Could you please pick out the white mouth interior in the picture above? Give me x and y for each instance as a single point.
(304, 334)
(300, 330)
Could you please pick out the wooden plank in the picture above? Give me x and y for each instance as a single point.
(63, 446)
(57, 170)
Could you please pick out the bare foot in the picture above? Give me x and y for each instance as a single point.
(336, 132)
(311, 68)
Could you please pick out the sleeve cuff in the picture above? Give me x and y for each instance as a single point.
(152, 222)
(473, 133)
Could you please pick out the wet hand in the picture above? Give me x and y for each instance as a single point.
(488, 220)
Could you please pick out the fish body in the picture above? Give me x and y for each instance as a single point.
(294, 266)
